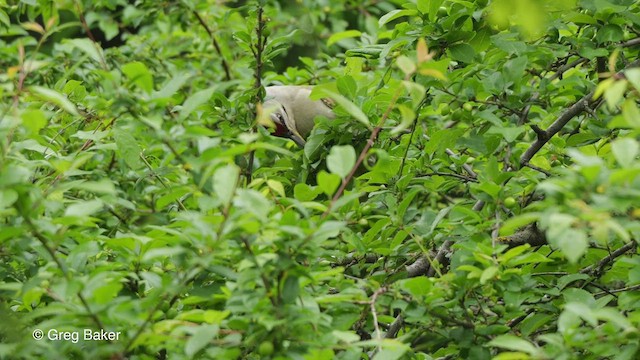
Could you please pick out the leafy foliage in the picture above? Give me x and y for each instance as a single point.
(476, 196)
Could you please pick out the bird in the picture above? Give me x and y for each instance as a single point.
(293, 112)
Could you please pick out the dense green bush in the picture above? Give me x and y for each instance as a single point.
(477, 197)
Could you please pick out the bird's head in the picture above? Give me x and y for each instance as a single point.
(277, 114)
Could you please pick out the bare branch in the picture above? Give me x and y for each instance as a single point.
(530, 234)
(597, 269)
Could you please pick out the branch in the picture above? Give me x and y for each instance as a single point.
(629, 43)
(530, 234)
(440, 173)
(423, 266)
(394, 327)
(597, 269)
(574, 110)
(441, 257)
(613, 291)
(545, 136)
(257, 53)
(525, 112)
(225, 65)
(86, 28)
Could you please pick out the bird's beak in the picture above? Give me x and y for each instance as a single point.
(297, 139)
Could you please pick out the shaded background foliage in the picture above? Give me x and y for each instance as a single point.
(494, 216)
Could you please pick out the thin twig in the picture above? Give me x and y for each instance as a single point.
(225, 65)
(85, 26)
(45, 243)
(374, 314)
(597, 269)
(144, 159)
(257, 51)
(363, 154)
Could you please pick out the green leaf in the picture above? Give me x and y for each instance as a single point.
(341, 160)
(369, 51)
(172, 86)
(347, 86)
(407, 65)
(625, 151)
(225, 181)
(328, 183)
(88, 47)
(610, 33)
(429, 7)
(511, 342)
(201, 338)
(417, 286)
(394, 14)
(510, 134)
(416, 91)
(462, 52)
(630, 116)
(343, 35)
(512, 224)
(407, 116)
(530, 258)
(139, 74)
(4, 18)
(102, 186)
(441, 140)
(54, 97)
(490, 188)
(128, 148)
(633, 76)
(481, 41)
(354, 65)
(195, 100)
(488, 274)
(348, 106)
(215, 317)
(580, 18)
(7, 198)
(615, 93)
(304, 192)
(253, 202)
(572, 243)
(34, 120)
(173, 195)
(84, 208)
(290, 289)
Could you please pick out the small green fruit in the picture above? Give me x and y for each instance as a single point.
(510, 202)
(265, 348)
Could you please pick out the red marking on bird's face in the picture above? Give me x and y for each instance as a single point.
(280, 131)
